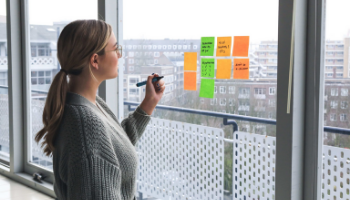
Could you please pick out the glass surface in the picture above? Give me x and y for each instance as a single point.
(4, 105)
(156, 36)
(46, 22)
(336, 159)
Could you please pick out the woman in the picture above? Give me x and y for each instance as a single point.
(93, 154)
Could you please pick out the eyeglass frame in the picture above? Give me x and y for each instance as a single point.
(119, 49)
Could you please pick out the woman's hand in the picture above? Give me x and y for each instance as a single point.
(154, 92)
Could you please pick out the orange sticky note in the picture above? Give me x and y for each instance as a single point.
(240, 46)
(223, 69)
(190, 61)
(223, 46)
(190, 80)
(241, 68)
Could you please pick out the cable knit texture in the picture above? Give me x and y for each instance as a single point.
(94, 156)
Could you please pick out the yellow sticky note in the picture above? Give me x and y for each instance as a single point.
(240, 46)
(190, 80)
(223, 69)
(190, 61)
(223, 46)
(241, 68)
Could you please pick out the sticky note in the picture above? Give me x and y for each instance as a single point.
(207, 46)
(207, 67)
(223, 46)
(207, 88)
(190, 61)
(241, 68)
(240, 46)
(190, 80)
(223, 69)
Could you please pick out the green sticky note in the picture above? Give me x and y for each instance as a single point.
(207, 67)
(207, 88)
(207, 46)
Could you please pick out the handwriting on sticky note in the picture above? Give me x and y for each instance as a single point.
(207, 67)
(207, 46)
(223, 69)
(241, 68)
(240, 46)
(223, 46)
(190, 61)
(190, 80)
(207, 88)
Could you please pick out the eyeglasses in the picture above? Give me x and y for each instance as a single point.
(118, 50)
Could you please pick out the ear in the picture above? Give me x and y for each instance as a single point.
(94, 60)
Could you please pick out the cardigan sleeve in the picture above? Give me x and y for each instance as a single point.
(134, 125)
(89, 168)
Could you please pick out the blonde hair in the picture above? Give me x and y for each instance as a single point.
(78, 41)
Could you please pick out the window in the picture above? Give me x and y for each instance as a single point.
(334, 92)
(272, 102)
(231, 102)
(194, 46)
(156, 54)
(334, 104)
(344, 104)
(213, 101)
(169, 46)
(272, 91)
(333, 117)
(164, 47)
(131, 61)
(40, 78)
(343, 117)
(259, 91)
(223, 89)
(134, 91)
(133, 81)
(215, 89)
(131, 68)
(231, 89)
(155, 61)
(223, 102)
(344, 92)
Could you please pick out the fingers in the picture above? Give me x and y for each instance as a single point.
(161, 89)
(149, 79)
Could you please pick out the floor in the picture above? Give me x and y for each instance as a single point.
(11, 190)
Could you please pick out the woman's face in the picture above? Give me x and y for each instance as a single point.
(109, 61)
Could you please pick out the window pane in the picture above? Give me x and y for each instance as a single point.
(163, 53)
(4, 109)
(45, 27)
(336, 167)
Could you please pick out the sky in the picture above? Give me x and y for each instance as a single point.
(188, 19)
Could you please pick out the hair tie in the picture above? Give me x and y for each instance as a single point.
(64, 71)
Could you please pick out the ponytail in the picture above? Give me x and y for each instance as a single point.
(53, 111)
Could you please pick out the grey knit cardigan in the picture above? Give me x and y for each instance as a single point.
(94, 156)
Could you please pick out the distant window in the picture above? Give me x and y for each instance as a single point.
(154, 46)
(213, 101)
(131, 68)
(164, 46)
(344, 104)
(131, 61)
(194, 46)
(230, 102)
(333, 117)
(159, 46)
(272, 102)
(344, 92)
(343, 117)
(334, 104)
(231, 89)
(179, 46)
(215, 89)
(155, 61)
(174, 47)
(223, 102)
(272, 90)
(334, 91)
(223, 89)
(259, 90)
(156, 54)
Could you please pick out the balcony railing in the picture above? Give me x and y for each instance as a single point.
(186, 161)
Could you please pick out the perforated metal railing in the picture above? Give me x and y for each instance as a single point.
(185, 161)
